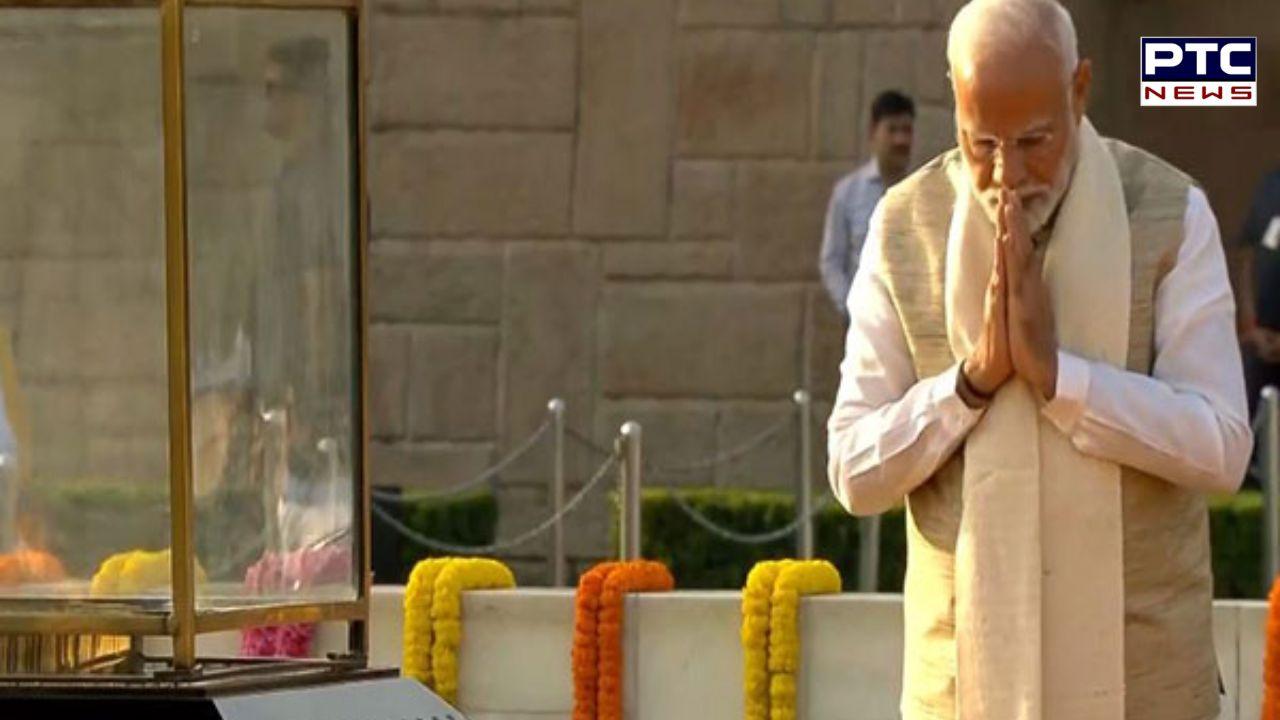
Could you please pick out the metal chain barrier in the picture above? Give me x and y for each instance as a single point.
(446, 547)
(762, 538)
(483, 478)
(713, 461)
(728, 456)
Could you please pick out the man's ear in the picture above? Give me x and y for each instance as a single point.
(1081, 80)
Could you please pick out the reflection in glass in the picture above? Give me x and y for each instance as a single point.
(272, 260)
(83, 417)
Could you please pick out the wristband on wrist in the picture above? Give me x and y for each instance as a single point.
(969, 392)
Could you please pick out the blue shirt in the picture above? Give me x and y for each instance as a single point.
(848, 213)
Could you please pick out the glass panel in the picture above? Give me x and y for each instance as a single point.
(272, 231)
(84, 417)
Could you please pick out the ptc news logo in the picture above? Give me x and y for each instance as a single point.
(1199, 71)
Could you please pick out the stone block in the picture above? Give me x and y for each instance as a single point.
(388, 381)
(1253, 643)
(50, 279)
(944, 11)
(427, 466)
(870, 678)
(701, 198)
(115, 78)
(143, 459)
(549, 6)
(104, 281)
(935, 133)
(773, 464)
(46, 343)
(475, 71)
(453, 383)
(548, 339)
(441, 283)
(1226, 641)
(932, 84)
(11, 277)
(68, 217)
(683, 650)
(56, 415)
(123, 340)
(892, 58)
(729, 13)
(621, 184)
(648, 260)
(839, 125)
(116, 408)
(675, 435)
(700, 340)
(914, 12)
(744, 93)
(780, 208)
(543, 622)
(478, 5)
(826, 338)
(806, 12)
(863, 12)
(455, 183)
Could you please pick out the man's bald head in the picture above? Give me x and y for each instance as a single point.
(993, 30)
(1020, 92)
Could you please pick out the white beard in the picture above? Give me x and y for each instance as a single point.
(1038, 202)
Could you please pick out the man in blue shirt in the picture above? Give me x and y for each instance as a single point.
(1258, 288)
(855, 196)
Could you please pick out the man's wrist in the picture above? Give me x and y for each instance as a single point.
(968, 392)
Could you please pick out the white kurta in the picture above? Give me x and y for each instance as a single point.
(1187, 422)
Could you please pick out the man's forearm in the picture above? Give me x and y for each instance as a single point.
(879, 455)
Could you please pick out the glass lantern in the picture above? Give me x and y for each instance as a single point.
(182, 332)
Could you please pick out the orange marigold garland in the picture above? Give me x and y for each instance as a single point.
(30, 566)
(1271, 661)
(585, 655)
(631, 577)
(597, 637)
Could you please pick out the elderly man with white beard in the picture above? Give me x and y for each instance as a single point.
(1042, 362)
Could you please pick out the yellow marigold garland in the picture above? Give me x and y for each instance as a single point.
(135, 571)
(808, 577)
(770, 641)
(756, 595)
(446, 614)
(418, 597)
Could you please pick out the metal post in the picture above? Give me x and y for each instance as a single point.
(629, 492)
(178, 329)
(558, 574)
(1271, 478)
(804, 540)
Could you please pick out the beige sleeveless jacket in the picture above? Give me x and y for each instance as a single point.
(1170, 668)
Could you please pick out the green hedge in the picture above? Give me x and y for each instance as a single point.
(470, 519)
(1235, 526)
(699, 559)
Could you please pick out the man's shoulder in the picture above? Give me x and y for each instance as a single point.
(1135, 162)
(926, 180)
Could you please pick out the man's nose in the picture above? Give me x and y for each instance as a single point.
(1009, 171)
